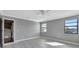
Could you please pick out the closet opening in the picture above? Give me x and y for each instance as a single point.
(1, 32)
(8, 31)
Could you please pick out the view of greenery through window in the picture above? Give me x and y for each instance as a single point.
(71, 26)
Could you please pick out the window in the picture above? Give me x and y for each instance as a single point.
(44, 27)
(71, 26)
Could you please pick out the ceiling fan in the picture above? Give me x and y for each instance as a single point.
(43, 12)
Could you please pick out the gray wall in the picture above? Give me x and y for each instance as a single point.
(55, 29)
(26, 29)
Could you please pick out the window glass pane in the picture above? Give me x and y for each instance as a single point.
(71, 30)
(71, 26)
(71, 21)
(44, 30)
(44, 25)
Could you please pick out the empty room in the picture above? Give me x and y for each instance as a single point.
(39, 28)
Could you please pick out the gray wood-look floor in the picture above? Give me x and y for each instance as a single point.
(41, 43)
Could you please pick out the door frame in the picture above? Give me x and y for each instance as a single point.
(4, 18)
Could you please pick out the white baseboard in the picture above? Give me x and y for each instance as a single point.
(17, 41)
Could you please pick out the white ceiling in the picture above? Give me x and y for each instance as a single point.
(35, 15)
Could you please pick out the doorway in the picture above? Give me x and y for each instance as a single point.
(8, 31)
(0, 32)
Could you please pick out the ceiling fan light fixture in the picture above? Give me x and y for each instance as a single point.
(43, 12)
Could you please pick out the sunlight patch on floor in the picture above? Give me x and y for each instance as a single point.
(54, 43)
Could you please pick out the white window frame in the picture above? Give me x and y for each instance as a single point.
(44, 27)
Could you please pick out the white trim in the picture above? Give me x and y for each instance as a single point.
(17, 41)
(2, 31)
(14, 17)
(3, 18)
(64, 41)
